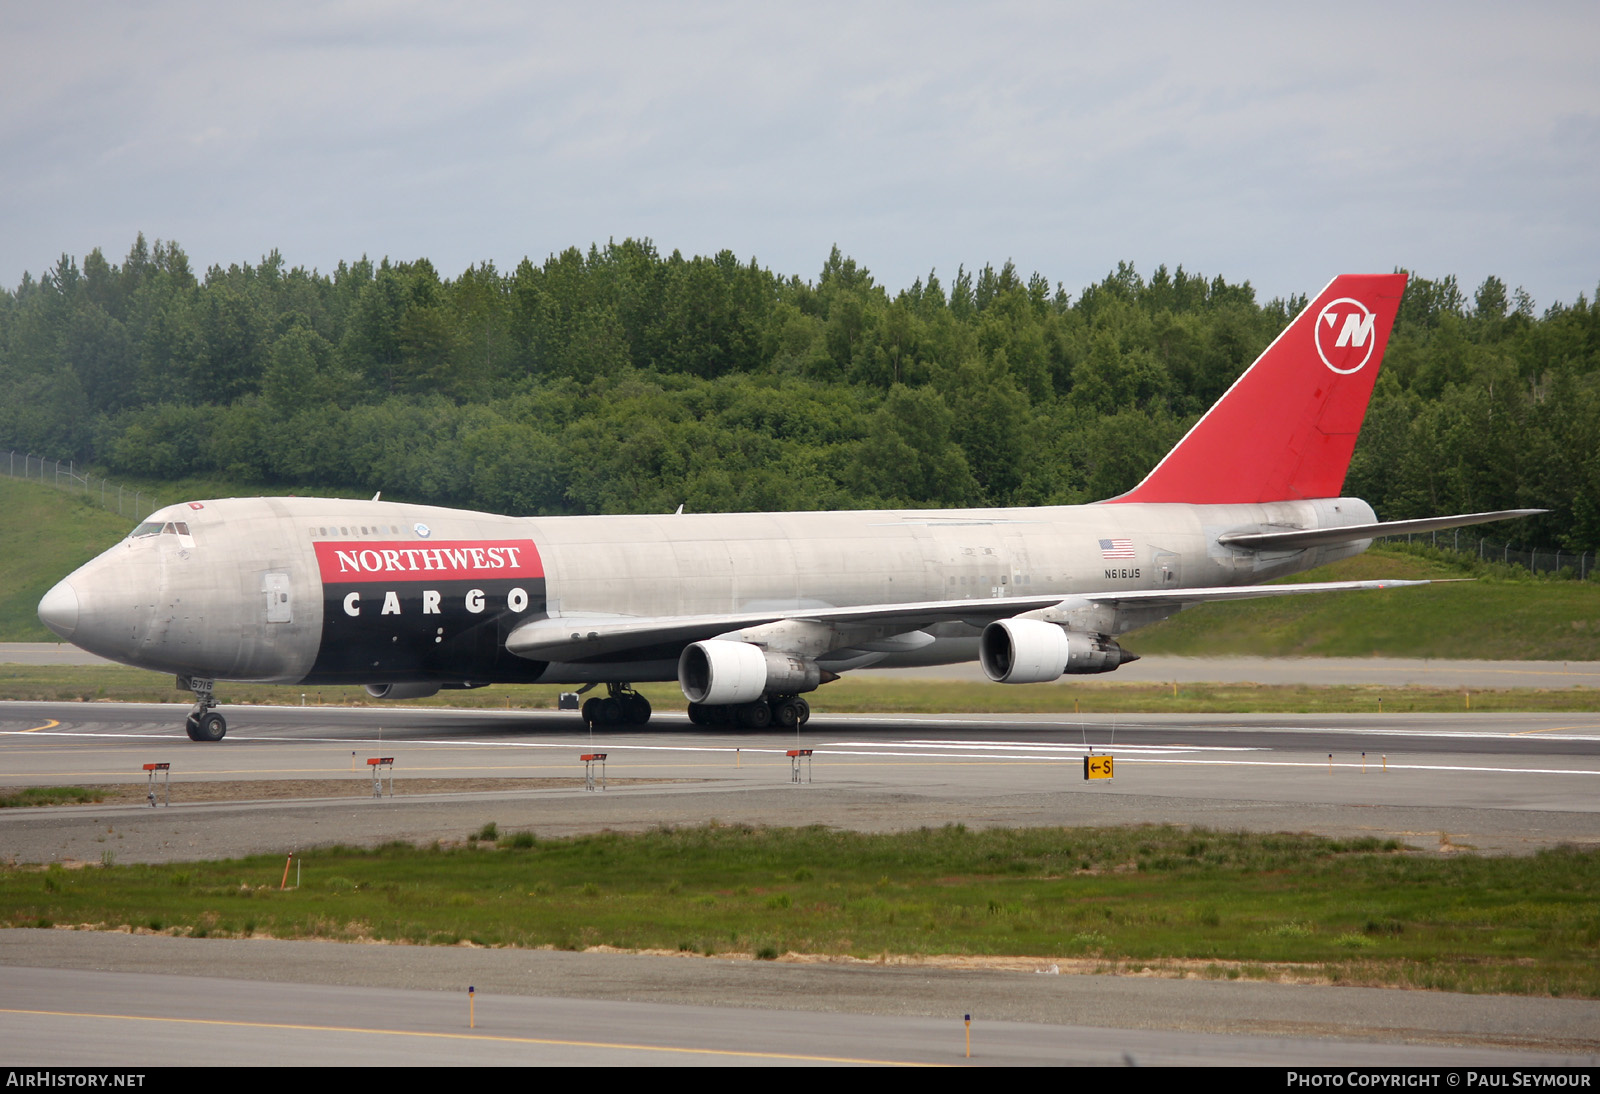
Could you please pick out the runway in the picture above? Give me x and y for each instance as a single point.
(1439, 783)
(1495, 782)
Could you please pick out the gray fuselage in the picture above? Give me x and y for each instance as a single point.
(311, 590)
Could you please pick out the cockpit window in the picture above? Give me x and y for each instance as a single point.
(156, 528)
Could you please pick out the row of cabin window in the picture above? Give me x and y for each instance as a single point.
(181, 528)
(364, 530)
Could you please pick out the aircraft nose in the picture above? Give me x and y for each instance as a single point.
(59, 609)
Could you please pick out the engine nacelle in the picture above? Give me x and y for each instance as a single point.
(1030, 651)
(402, 691)
(716, 671)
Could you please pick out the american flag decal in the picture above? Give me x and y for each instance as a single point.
(1116, 548)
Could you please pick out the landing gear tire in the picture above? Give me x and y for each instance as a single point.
(637, 709)
(210, 727)
(786, 712)
(621, 706)
(203, 722)
(704, 714)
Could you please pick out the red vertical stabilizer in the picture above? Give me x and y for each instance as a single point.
(1286, 428)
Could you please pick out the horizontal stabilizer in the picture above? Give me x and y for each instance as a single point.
(1180, 598)
(1296, 538)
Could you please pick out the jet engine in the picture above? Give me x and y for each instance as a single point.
(1030, 651)
(402, 691)
(716, 671)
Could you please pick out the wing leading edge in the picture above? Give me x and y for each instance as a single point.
(573, 638)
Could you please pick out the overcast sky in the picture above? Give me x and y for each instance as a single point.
(1265, 142)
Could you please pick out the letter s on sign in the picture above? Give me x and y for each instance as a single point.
(352, 604)
(474, 600)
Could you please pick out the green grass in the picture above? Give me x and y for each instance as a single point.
(1285, 906)
(1099, 696)
(1494, 619)
(49, 795)
(46, 534)
(851, 695)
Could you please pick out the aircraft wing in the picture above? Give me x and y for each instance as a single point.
(579, 637)
(1295, 538)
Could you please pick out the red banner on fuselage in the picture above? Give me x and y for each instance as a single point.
(452, 560)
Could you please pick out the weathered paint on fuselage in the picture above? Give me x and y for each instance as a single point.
(243, 596)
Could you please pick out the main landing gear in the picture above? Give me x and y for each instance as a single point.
(203, 723)
(622, 706)
(784, 711)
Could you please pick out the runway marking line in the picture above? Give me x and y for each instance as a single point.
(621, 1046)
(1066, 747)
(1334, 670)
(913, 760)
(49, 723)
(1062, 756)
(625, 746)
(1354, 766)
(1062, 752)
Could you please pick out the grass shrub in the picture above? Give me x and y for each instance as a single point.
(1348, 910)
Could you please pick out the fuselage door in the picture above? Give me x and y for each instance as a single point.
(1169, 569)
(275, 588)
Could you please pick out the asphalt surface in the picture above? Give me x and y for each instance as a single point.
(1440, 783)
(1505, 783)
(219, 1001)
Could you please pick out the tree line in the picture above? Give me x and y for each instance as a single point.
(622, 380)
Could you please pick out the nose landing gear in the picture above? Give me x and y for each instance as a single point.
(203, 723)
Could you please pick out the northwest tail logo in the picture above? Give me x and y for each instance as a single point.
(1345, 335)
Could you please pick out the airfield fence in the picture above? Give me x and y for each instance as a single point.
(1538, 560)
(132, 503)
